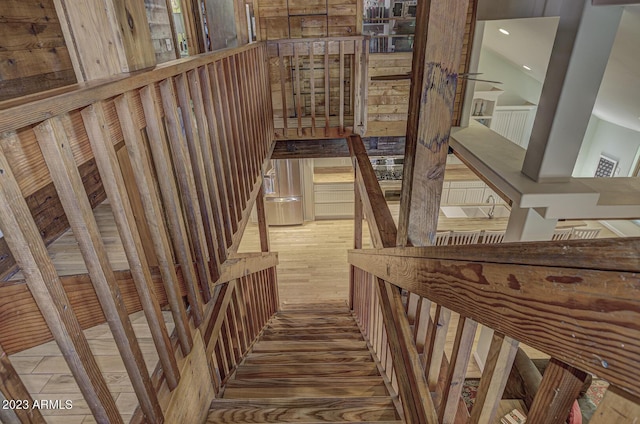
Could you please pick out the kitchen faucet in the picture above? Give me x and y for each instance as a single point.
(491, 200)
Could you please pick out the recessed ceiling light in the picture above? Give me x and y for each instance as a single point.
(526, 67)
(504, 31)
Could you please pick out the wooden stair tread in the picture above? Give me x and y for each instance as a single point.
(288, 370)
(308, 357)
(368, 381)
(311, 390)
(351, 329)
(308, 346)
(278, 336)
(302, 410)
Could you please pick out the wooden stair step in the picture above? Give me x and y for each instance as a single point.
(313, 321)
(302, 410)
(368, 381)
(308, 346)
(308, 357)
(305, 391)
(312, 330)
(306, 370)
(312, 314)
(283, 336)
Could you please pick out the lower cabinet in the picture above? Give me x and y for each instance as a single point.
(333, 201)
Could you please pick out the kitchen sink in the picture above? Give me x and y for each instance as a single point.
(500, 211)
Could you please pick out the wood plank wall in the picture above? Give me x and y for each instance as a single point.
(160, 24)
(33, 53)
(389, 99)
(277, 19)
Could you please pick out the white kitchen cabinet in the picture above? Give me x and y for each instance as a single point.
(514, 123)
(333, 201)
(467, 192)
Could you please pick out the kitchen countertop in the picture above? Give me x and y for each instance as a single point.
(344, 174)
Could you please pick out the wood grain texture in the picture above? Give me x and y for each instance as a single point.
(12, 388)
(59, 158)
(560, 387)
(190, 401)
(154, 215)
(114, 183)
(44, 284)
(567, 328)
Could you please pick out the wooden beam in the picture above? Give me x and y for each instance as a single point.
(568, 328)
(57, 152)
(113, 180)
(439, 34)
(559, 389)
(13, 390)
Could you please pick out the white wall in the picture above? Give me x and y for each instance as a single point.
(603, 137)
(519, 88)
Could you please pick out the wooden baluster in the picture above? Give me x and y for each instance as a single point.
(460, 355)
(312, 84)
(494, 378)
(206, 162)
(13, 389)
(434, 349)
(138, 154)
(618, 407)
(221, 351)
(259, 128)
(216, 136)
(327, 100)
(171, 200)
(217, 378)
(248, 118)
(236, 329)
(114, 184)
(412, 307)
(231, 140)
(274, 287)
(283, 85)
(359, 87)
(28, 249)
(221, 108)
(186, 182)
(197, 187)
(423, 319)
(226, 332)
(341, 110)
(298, 83)
(56, 149)
(560, 387)
(263, 225)
(239, 125)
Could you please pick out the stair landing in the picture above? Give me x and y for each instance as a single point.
(309, 366)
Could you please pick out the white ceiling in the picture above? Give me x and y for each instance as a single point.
(530, 41)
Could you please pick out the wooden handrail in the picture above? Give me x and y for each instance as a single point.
(561, 311)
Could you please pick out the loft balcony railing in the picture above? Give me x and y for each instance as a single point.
(318, 86)
(565, 298)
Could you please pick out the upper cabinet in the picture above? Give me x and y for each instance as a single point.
(484, 103)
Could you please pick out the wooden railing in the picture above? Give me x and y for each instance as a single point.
(179, 152)
(319, 86)
(564, 298)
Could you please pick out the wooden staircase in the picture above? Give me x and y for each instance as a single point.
(308, 366)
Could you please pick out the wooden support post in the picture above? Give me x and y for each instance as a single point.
(283, 85)
(298, 85)
(263, 225)
(12, 389)
(357, 238)
(327, 98)
(560, 387)
(341, 95)
(439, 36)
(27, 247)
(114, 184)
(494, 378)
(171, 199)
(56, 149)
(154, 214)
(186, 182)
